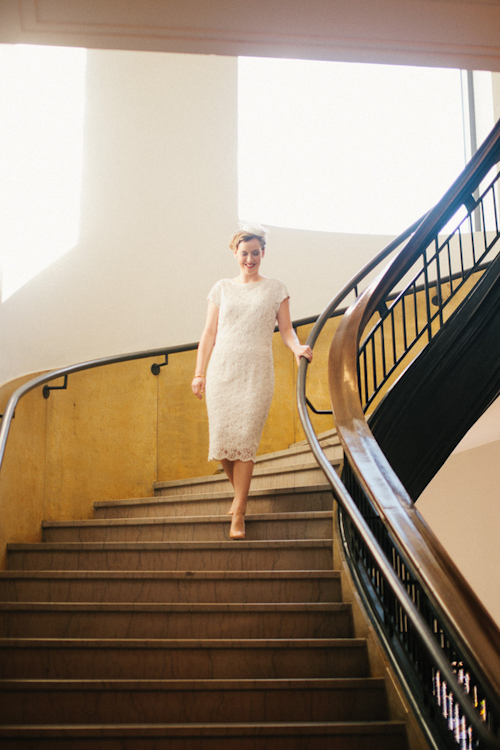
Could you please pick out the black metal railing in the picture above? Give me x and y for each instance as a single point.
(413, 298)
(449, 721)
(439, 275)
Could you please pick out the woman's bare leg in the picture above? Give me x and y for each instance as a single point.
(242, 476)
(228, 467)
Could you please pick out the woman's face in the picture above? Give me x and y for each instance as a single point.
(249, 255)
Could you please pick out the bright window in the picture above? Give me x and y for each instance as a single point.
(42, 95)
(347, 147)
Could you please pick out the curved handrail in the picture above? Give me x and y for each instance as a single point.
(348, 504)
(69, 370)
(368, 461)
(373, 472)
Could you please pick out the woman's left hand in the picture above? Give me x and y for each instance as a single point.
(302, 350)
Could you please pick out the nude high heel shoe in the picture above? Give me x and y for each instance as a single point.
(240, 532)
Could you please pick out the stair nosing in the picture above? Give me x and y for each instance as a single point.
(174, 607)
(203, 497)
(229, 545)
(177, 520)
(288, 469)
(206, 730)
(202, 684)
(183, 575)
(183, 643)
(295, 450)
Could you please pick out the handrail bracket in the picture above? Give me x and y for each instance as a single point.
(48, 388)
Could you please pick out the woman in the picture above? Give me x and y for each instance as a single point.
(237, 339)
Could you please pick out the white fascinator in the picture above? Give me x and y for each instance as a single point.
(254, 228)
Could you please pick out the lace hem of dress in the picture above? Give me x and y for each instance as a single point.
(234, 455)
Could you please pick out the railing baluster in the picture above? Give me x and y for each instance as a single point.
(450, 266)
(427, 300)
(461, 252)
(405, 335)
(495, 210)
(374, 366)
(382, 349)
(472, 242)
(439, 288)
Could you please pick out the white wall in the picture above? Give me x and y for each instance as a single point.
(462, 506)
(159, 205)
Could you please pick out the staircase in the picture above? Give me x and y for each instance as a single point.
(147, 628)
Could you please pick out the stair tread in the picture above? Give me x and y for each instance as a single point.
(220, 495)
(186, 730)
(176, 607)
(301, 447)
(328, 434)
(185, 575)
(174, 520)
(298, 683)
(227, 545)
(184, 643)
(258, 472)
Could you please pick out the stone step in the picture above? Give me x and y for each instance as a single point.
(300, 454)
(215, 621)
(268, 526)
(387, 735)
(138, 659)
(280, 476)
(233, 555)
(250, 736)
(170, 586)
(323, 437)
(178, 701)
(264, 500)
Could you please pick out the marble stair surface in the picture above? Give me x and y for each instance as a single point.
(146, 627)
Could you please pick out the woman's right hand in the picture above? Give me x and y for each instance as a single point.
(198, 385)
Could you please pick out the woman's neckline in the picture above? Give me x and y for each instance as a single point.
(249, 283)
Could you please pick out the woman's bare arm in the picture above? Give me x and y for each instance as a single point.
(288, 333)
(205, 348)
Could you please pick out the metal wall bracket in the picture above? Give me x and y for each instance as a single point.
(155, 367)
(317, 411)
(48, 388)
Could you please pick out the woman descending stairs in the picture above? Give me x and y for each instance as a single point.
(147, 628)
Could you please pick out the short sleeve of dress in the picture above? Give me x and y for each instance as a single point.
(214, 294)
(281, 294)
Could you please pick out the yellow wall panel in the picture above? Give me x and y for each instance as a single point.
(182, 423)
(22, 491)
(101, 438)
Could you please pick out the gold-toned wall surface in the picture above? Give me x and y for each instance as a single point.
(22, 491)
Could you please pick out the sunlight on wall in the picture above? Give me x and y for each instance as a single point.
(346, 147)
(42, 95)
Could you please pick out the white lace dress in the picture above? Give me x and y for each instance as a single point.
(240, 375)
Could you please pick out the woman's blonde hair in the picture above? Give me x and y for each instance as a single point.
(246, 234)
